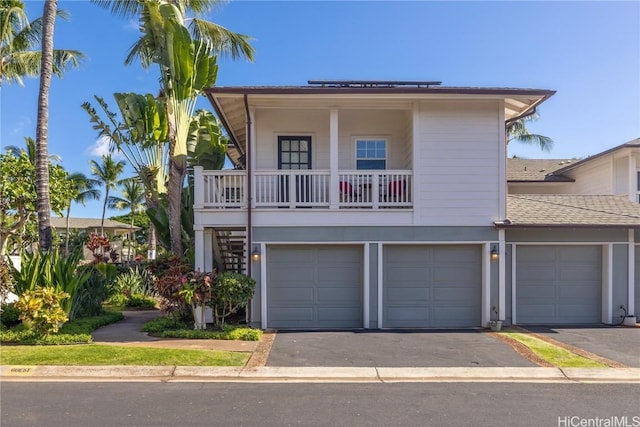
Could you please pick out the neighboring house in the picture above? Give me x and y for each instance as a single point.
(384, 205)
(615, 171)
(94, 225)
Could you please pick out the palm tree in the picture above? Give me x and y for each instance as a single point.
(132, 199)
(185, 56)
(30, 151)
(20, 53)
(517, 130)
(107, 174)
(86, 191)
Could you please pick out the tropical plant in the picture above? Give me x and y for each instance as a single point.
(6, 281)
(107, 174)
(517, 130)
(232, 291)
(41, 310)
(30, 151)
(187, 64)
(18, 196)
(49, 269)
(132, 199)
(197, 290)
(84, 187)
(20, 45)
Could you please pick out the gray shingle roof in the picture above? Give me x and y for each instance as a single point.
(567, 210)
(536, 170)
(91, 223)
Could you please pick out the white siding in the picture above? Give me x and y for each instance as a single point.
(457, 163)
(621, 176)
(594, 177)
(272, 123)
(388, 124)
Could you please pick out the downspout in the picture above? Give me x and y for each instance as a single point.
(248, 161)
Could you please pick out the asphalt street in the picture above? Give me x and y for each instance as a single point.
(53, 404)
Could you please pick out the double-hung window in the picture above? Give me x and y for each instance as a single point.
(371, 153)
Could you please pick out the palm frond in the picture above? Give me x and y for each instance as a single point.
(223, 41)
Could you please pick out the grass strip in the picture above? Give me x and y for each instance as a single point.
(553, 354)
(100, 355)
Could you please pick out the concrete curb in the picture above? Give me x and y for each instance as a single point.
(316, 374)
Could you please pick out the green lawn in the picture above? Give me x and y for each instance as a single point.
(553, 354)
(95, 354)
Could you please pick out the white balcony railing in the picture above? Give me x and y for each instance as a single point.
(304, 189)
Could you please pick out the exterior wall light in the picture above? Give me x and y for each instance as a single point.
(494, 253)
(255, 254)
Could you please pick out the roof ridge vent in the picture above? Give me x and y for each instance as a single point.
(372, 83)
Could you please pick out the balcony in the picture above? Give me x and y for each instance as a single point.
(304, 189)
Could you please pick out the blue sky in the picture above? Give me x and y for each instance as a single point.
(589, 52)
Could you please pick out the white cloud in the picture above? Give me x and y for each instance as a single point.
(100, 147)
(20, 126)
(132, 24)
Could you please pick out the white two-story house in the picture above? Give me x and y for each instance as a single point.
(360, 204)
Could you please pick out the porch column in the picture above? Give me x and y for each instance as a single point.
(199, 247)
(333, 160)
(502, 275)
(198, 188)
(485, 314)
(208, 249)
(607, 283)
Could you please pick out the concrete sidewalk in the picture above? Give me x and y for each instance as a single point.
(315, 374)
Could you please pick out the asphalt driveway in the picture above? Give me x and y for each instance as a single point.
(618, 343)
(425, 348)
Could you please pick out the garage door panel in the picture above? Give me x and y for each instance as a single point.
(536, 290)
(314, 287)
(452, 316)
(407, 316)
(293, 295)
(578, 272)
(453, 274)
(431, 285)
(338, 295)
(565, 290)
(580, 254)
(292, 314)
(405, 293)
(291, 274)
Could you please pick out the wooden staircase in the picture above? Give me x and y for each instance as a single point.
(229, 249)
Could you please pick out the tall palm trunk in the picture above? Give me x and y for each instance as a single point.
(152, 238)
(104, 209)
(42, 128)
(177, 170)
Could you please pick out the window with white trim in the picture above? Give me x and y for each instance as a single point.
(371, 153)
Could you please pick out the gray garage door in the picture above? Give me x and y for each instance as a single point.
(558, 284)
(637, 288)
(432, 286)
(314, 287)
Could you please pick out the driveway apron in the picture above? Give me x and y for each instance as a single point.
(425, 348)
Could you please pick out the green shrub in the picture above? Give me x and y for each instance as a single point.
(41, 310)
(133, 281)
(92, 293)
(141, 301)
(229, 333)
(118, 300)
(28, 337)
(231, 292)
(163, 323)
(10, 315)
(6, 281)
(49, 269)
(86, 325)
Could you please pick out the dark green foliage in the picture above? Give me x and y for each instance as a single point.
(161, 324)
(231, 292)
(141, 301)
(86, 325)
(92, 293)
(10, 315)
